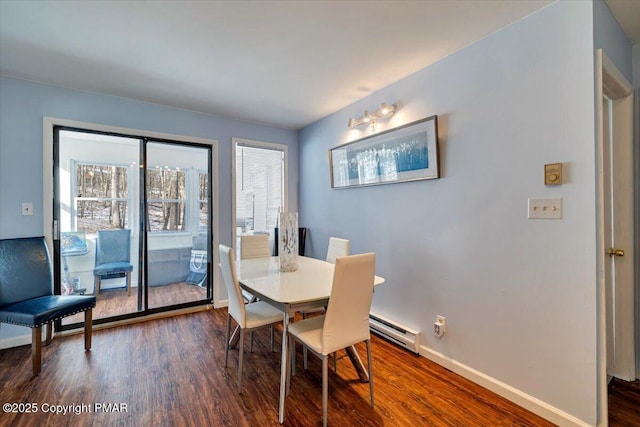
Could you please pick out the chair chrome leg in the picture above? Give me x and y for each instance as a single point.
(271, 337)
(292, 353)
(291, 345)
(325, 389)
(370, 370)
(304, 356)
(241, 348)
(293, 356)
(226, 341)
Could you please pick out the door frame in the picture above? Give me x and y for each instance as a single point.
(48, 124)
(610, 82)
(636, 161)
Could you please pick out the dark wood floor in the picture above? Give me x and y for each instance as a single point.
(170, 372)
(624, 403)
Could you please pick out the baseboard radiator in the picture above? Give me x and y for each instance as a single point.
(394, 332)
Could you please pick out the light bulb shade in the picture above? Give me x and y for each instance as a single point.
(384, 112)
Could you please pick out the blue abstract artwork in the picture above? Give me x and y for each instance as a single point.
(407, 153)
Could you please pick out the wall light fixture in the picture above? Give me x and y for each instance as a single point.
(384, 112)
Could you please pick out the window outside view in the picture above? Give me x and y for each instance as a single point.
(166, 200)
(259, 188)
(101, 197)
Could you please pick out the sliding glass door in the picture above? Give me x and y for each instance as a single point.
(95, 196)
(177, 223)
(134, 222)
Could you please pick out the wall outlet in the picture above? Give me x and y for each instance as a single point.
(440, 326)
(27, 208)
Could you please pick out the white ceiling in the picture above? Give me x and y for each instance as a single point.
(283, 63)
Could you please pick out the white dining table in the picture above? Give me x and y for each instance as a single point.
(307, 287)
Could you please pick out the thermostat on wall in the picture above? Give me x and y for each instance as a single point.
(553, 174)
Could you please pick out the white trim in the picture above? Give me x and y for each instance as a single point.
(602, 409)
(16, 341)
(223, 303)
(516, 396)
(624, 307)
(20, 340)
(614, 83)
(47, 178)
(637, 222)
(257, 144)
(610, 82)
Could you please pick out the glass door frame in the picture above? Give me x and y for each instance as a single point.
(51, 209)
(143, 226)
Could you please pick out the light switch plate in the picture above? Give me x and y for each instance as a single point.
(545, 208)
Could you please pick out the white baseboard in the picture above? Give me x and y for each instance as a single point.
(537, 406)
(15, 341)
(220, 304)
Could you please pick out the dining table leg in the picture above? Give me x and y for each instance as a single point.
(283, 367)
(357, 363)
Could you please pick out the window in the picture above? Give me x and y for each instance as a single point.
(166, 200)
(203, 201)
(260, 185)
(101, 200)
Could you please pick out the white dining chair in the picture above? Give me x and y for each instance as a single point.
(337, 247)
(254, 246)
(248, 316)
(346, 321)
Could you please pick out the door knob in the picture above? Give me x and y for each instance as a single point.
(615, 252)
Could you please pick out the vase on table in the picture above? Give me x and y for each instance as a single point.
(288, 241)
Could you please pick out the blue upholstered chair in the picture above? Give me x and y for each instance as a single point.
(113, 257)
(26, 293)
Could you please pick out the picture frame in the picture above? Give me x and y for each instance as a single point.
(405, 153)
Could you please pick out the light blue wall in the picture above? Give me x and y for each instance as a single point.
(23, 105)
(519, 295)
(609, 37)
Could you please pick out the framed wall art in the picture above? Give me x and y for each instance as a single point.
(406, 153)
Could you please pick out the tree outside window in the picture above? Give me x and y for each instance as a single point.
(101, 200)
(203, 201)
(166, 200)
